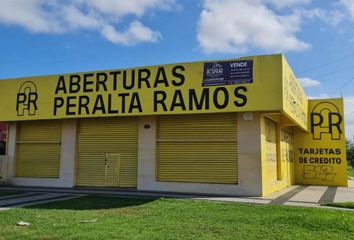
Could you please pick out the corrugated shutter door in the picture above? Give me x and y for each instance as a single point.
(38, 147)
(117, 137)
(198, 148)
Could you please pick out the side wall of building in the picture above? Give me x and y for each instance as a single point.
(277, 157)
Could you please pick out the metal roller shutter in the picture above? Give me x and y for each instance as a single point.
(197, 148)
(107, 152)
(38, 146)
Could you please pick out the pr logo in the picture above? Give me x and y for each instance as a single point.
(326, 120)
(27, 99)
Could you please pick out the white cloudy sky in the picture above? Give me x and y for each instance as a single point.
(41, 37)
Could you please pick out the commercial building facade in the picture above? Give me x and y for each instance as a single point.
(219, 127)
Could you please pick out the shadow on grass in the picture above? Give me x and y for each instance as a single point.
(9, 193)
(94, 203)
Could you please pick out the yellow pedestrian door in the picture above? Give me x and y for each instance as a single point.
(271, 144)
(111, 169)
(107, 152)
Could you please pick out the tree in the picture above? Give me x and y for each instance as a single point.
(350, 153)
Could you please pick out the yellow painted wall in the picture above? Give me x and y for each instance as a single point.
(295, 101)
(277, 174)
(287, 155)
(320, 153)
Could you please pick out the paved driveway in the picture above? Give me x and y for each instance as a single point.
(312, 195)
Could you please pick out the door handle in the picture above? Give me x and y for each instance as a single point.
(106, 158)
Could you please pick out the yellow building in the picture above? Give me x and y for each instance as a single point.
(234, 127)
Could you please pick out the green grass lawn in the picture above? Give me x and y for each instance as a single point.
(139, 218)
(350, 171)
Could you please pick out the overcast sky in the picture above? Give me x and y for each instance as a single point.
(40, 37)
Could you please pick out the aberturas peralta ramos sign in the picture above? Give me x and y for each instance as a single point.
(200, 87)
